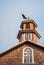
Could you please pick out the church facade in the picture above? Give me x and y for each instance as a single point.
(28, 51)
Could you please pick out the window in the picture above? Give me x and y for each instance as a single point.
(28, 55)
(27, 25)
(28, 36)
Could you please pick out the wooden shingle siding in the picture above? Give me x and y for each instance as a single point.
(15, 56)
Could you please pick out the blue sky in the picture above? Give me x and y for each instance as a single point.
(10, 19)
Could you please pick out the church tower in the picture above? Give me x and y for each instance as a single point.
(28, 31)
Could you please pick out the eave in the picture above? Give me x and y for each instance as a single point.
(28, 21)
(25, 31)
(20, 44)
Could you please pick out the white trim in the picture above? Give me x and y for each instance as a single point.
(32, 55)
(27, 36)
(24, 27)
(24, 36)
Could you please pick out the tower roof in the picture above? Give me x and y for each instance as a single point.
(28, 21)
(25, 31)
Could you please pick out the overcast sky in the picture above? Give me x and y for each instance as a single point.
(10, 19)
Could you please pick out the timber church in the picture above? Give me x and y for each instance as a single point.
(28, 51)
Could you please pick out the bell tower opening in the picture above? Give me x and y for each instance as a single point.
(28, 30)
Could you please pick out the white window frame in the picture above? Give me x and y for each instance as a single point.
(32, 56)
(28, 36)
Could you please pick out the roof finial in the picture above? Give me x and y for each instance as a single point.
(28, 18)
(24, 17)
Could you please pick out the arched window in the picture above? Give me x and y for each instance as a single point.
(28, 55)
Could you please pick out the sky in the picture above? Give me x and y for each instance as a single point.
(11, 18)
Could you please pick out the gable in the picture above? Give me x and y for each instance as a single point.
(27, 43)
(14, 55)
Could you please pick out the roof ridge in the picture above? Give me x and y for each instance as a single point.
(17, 45)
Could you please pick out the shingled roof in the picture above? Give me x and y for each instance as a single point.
(19, 44)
